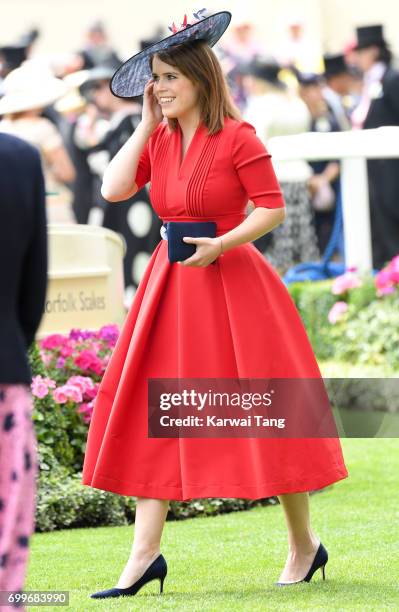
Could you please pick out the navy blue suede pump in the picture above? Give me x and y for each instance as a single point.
(320, 560)
(157, 570)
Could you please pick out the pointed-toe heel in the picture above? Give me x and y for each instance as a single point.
(319, 561)
(156, 571)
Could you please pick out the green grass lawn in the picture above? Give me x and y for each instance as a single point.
(231, 561)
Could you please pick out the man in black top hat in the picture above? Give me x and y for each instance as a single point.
(379, 106)
(338, 80)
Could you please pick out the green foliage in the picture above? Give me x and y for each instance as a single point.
(314, 301)
(371, 335)
(368, 333)
(63, 502)
(360, 297)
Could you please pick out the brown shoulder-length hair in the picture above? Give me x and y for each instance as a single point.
(196, 60)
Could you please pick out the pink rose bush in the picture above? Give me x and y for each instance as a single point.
(387, 279)
(75, 364)
(348, 280)
(341, 285)
(40, 386)
(386, 282)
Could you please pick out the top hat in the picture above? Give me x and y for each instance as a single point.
(367, 36)
(14, 55)
(131, 77)
(334, 64)
(265, 68)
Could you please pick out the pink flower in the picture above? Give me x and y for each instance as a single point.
(66, 351)
(46, 358)
(393, 268)
(60, 363)
(84, 383)
(88, 360)
(86, 411)
(337, 311)
(96, 346)
(92, 393)
(53, 341)
(67, 392)
(109, 333)
(73, 392)
(59, 395)
(346, 281)
(384, 283)
(40, 386)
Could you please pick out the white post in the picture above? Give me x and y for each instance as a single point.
(356, 217)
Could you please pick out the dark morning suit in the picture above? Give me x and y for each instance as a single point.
(23, 255)
(384, 175)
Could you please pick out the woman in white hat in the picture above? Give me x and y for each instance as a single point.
(219, 313)
(27, 91)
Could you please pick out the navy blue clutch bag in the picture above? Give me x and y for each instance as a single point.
(177, 230)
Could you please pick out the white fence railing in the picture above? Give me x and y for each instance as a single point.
(352, 148)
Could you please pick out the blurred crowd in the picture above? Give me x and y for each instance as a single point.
(66, 109)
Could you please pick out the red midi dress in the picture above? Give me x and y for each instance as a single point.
(234, 319)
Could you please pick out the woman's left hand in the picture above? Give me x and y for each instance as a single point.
(208, 249)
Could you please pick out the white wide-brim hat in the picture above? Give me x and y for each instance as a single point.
(29, 87)
(131, 77)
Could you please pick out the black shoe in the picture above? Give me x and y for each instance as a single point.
(157, 570)
(320, 560)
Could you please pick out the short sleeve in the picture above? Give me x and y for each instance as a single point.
(253, 165)
(143, 174)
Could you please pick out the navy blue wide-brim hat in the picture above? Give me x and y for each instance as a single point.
(131, 77)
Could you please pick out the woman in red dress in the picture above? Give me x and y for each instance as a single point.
(233, 319)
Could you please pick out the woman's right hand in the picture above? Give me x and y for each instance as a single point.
(152, 111)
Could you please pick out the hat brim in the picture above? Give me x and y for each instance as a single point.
(131, 77)
(33, 98)
(336, 72)
(94, 75)
(367, 44)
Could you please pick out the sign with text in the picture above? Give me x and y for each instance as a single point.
(86, 286)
